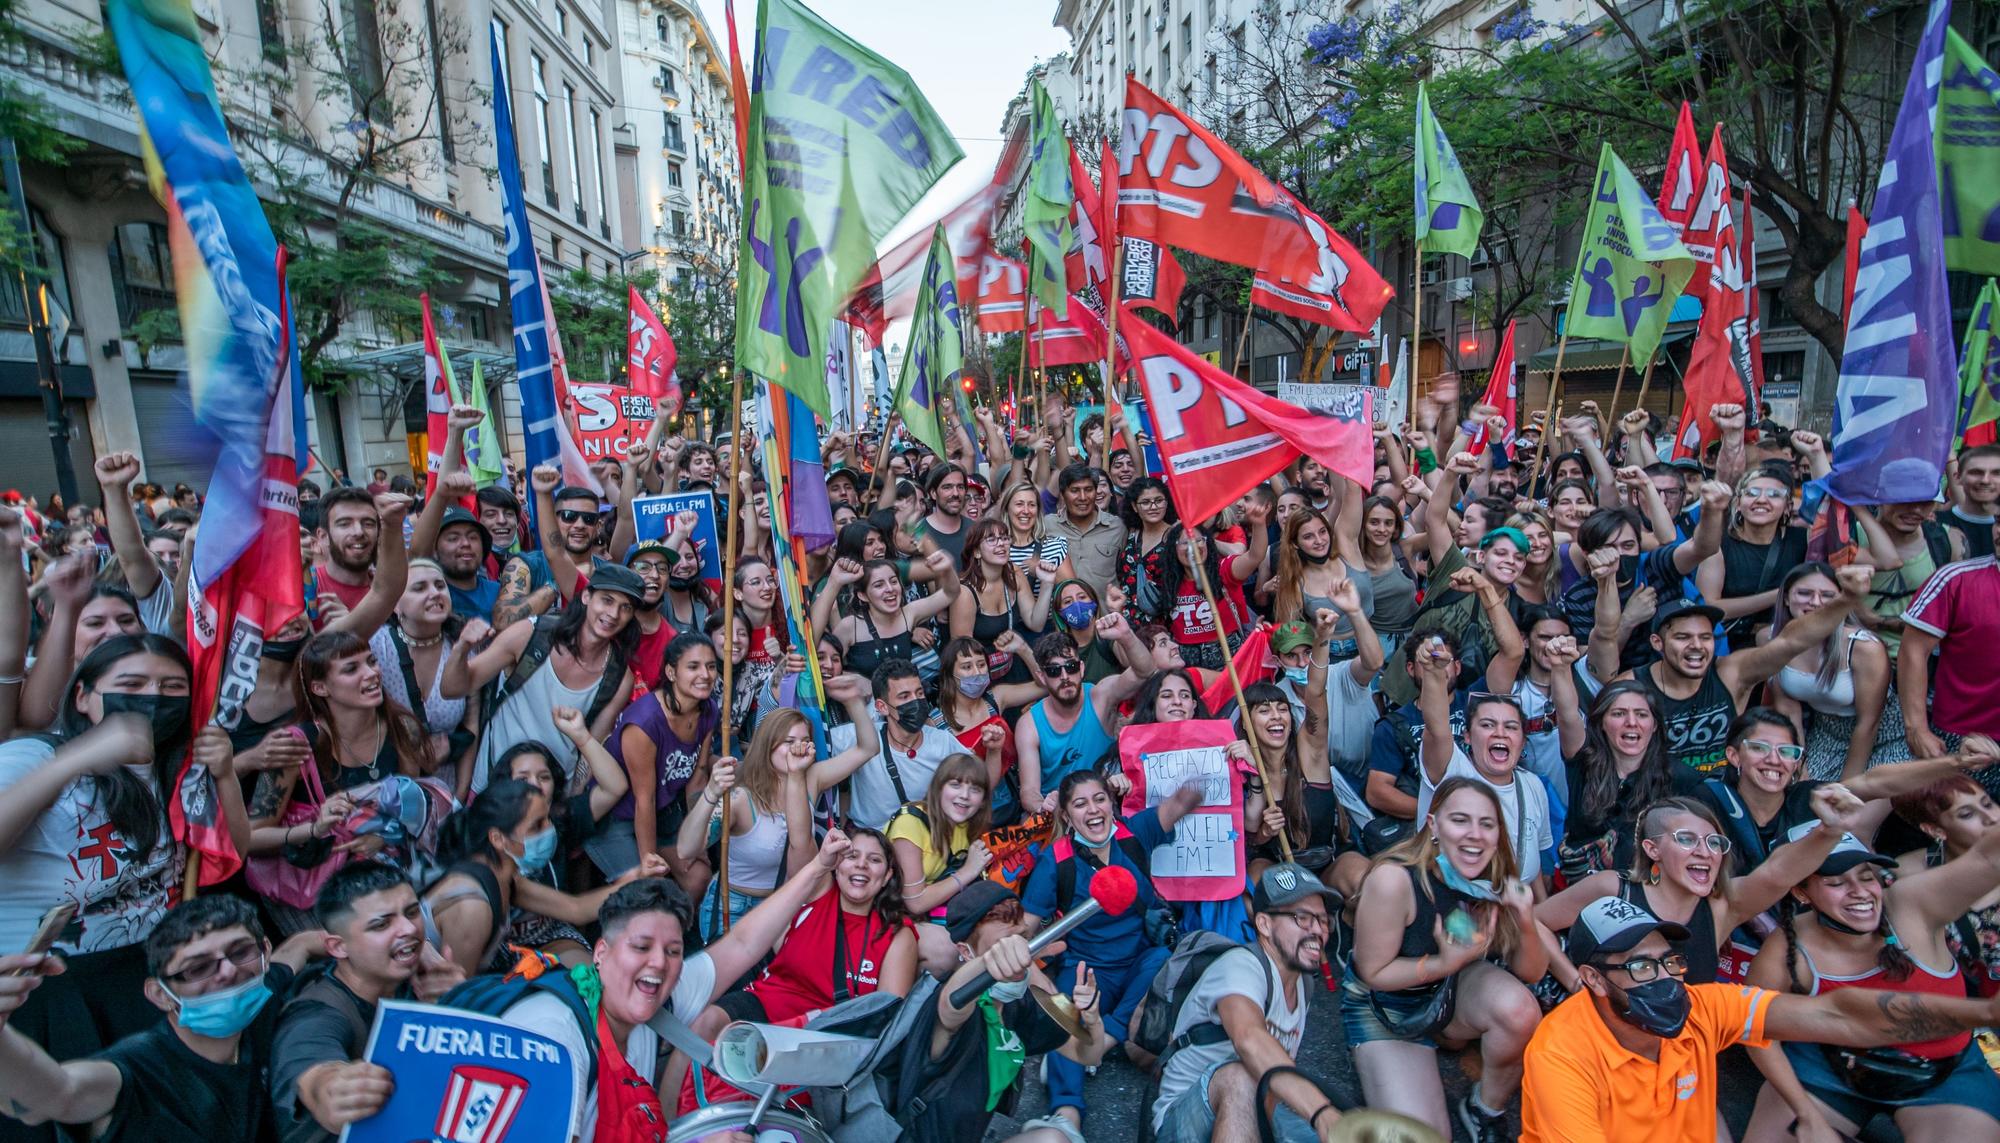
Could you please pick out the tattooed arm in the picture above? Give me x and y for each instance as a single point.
(516, 601)
(1866, 1017)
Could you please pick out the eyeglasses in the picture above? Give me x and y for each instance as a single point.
(246, 953)
(1305, 920)
(1149, 503)
(1690, 840)
(578, 516)
(1762, 749)
(1066, 667)
(1765, 493)
(1644, 968)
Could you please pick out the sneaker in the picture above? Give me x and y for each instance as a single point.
(1479, 1126)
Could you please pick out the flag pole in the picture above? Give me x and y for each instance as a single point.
(1417, 328)
(1111, 352)
(1243, 342)
(1236, 685)
(1549, 409)
(1645, 382)
(1617, 391)
(1041, 369)
(736, 502)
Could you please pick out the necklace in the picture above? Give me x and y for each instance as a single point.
(417, 644)
(374, 763)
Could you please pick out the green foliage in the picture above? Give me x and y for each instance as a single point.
(591, 315)
(152, 328)
(699, 311)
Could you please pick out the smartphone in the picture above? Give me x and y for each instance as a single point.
(53, 923)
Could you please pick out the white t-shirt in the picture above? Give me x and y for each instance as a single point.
(875, 796)
(1238, 972)
(71, 853)
(156, 611)
(1524, 804)
(550, 1017)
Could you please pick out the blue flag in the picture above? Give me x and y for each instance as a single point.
(534, 365)
(1896, 410)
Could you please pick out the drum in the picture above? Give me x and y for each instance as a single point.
(778, 1125)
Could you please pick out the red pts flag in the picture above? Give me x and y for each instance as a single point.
(1680, 194)
(1001, 287)
(1857, 229)
(1089, 259)
(1343, 291)
(651, 356)
(1181, 186)
(437, 402)
(1152, 275)
(1074, 340)
(1502, 392)
(1219, 438)
(1719, 366)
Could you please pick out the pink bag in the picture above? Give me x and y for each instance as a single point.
(277, 878)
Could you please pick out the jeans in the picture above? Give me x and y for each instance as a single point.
(1119, 991)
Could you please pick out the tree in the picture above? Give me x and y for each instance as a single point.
(699, 309)
(363, 101)
(26, 118)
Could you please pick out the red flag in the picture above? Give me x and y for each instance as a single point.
(437, 402)
(651, 356)
(890, 290)
(1152, 275)
(739, 90)
(1719, 366)
(1074, 340)
(1343, 291)
(1219, 437)
(1181, 186)
(1682, 192)
(1752, 297)
(1502, 391)
(1857, 229)
(1089, 260)
(1001, 287)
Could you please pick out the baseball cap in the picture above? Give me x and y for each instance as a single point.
(1286, 883)
(970, 905)
(607, 576)
(1291, 635)
(1614, 925)
(1847, 854)
(846, 474)
(644, 547)
(1669, 612)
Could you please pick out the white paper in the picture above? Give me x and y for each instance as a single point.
(1168, 770)
(765, 1053)
(1203, 845)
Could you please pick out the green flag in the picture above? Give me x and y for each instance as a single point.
(935, 356)
(1630, 267)
(1968, 147)
(841, 146)
(482, 441)
(1448, 216)
(1979, 365)
(1045, 213)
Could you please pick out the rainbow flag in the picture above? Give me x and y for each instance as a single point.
(787, 427)
(243, 386)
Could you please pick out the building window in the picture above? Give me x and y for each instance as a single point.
(671, 136)
(597, 164)
(1166, 61)
(364, 59)
(555, 249)
(1187, 35)
(575, 153)
(142, 270)
(562, 23)
(55, 272)
(437, 81)
(673, 174)
(680, 222)
(660, 28)
(271, 30)
(589, 53)
(666, 82)
(542, 135)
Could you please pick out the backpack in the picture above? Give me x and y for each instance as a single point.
(492, 995)
(536, 655)
(1167, 994)
(1162, 920)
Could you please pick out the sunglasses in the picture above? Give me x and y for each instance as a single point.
(1066, 667)
(1765, 494)
(578, 516)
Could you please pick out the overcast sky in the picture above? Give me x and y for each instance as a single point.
(970, 58)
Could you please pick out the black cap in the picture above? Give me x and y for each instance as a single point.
(1286, 883)
(457, 515)
(970, 905)
(607, 576)
(1687, 464)
(1673, 610)
(1614, 925)
(1847, 853)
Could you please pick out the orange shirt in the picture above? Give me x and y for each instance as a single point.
(1582, 1086)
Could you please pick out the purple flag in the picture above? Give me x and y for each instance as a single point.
(1895, 412)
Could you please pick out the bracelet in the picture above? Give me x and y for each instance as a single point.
(1314, 1121)
(12, 680)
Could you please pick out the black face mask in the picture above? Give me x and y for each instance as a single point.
(683, 582)
(167, 714)
(1315, 559)
(912, 715)
(283, 650)
(1659, 1007)
(1628, 569)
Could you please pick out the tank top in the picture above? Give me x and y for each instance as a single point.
(1921, 981)
(674, 757)
(1700, 948)
(524, 717)
(1836, 698)
(757, 855)
(870, 653)
(439, 715)
(1696, 726)
(1080, 747)
(803, 975)
(1322, 813)
(987, 628)
(1749, 568)
(1432, 898)
(1395, 599)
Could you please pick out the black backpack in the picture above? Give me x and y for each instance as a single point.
(536, 655)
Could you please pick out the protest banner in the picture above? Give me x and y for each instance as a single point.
(609, 419)
(652, 514)
(1013, 849)
(1204, 861)
(1339, 396)
(463, 1078)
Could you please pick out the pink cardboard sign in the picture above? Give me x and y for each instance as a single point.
(1203, 860)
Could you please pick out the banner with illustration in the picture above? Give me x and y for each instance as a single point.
(463, 1078)
(651, 515)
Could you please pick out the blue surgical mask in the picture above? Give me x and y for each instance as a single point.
(537, 852)
(219, 1015)
(1297, 675)
(1481, 890)
(972, 686)
(1078, 614)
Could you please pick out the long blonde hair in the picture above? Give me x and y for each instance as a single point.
(1420, 852)
(1549, 577)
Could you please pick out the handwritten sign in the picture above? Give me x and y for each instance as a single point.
(1204, 859)
(463, 1078)
(651, 516)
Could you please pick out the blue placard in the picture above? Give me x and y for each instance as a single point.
(464, 1078)
(651, 515)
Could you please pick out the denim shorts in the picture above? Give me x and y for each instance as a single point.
(1191, 1119)
(1970, 1084)
(1360, 1024)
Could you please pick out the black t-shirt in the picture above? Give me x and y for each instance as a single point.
(1794, 812)
(322, 1021)
(1978, 533)
(172, 1095)
(1750, 569)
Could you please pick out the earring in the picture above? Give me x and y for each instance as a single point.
(1653, 877)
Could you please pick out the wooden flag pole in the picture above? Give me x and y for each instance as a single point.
(736, 503)
(1243, 342)
(1236, 685)
(1110, 352)
(1041, 370)
(1417, 391)
(1549, 414)
(1646, 381)
(1617, 391)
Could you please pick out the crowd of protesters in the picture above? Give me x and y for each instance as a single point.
(1555, 756)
